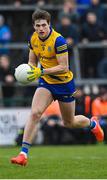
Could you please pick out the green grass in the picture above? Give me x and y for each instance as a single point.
(57, 162)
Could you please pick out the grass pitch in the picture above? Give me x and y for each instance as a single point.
(57, 162)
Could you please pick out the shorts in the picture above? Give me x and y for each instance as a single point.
(61, 92)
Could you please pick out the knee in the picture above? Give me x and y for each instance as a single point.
(36, 114)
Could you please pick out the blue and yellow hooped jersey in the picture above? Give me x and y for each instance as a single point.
(47, 51)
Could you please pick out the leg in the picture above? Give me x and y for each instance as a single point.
(69, 118)
(41, 100)
(79, 121)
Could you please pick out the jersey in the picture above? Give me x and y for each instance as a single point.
(47, 51)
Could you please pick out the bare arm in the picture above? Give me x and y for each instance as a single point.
(62, 66)
(32, 58)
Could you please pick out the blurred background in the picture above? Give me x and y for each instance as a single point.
(84, 25)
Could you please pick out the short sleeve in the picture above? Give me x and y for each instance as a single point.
(61, 45)
(29, 43)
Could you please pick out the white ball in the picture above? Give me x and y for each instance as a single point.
(21, 73)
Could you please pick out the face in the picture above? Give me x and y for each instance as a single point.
(91, 18)
(42, 28)
(65, 21)
(95, 2)
(4, 62)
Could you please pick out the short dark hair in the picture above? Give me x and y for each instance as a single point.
(41, 14)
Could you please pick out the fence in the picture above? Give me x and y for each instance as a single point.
(78, 79)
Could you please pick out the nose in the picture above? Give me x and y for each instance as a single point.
(41, 28)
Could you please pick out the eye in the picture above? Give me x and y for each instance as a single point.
(37, 25)
(43, 25)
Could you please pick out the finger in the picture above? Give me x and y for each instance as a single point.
(31, 79)
(30, 72)
(31, 76)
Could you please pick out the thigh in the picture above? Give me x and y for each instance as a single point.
(67, 110)
(42, 99)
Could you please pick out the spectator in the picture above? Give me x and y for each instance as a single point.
(5, 35)
(68, 30)
(7, 78)
(99, 105)
(69, 9)
(96, 8)
(99, 108)
(17, 3)
(40, 3)
(92, 31)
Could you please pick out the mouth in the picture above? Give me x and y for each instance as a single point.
(41, 33)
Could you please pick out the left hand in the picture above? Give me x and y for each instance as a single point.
(34, 73)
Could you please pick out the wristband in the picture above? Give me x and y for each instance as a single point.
(42, 72)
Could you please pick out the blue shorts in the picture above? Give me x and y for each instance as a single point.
(61, 92)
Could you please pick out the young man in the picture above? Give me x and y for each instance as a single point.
(56, 82)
